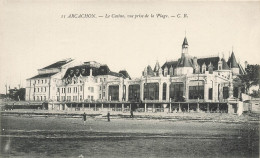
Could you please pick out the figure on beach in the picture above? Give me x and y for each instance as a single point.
(84, 118)
(131, 114)
(108, 116)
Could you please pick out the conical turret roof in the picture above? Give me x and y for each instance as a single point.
(185, 42)
(232, 62)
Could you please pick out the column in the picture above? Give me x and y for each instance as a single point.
(71, 106)
(130, 107)
(218, 108)
(122, 106)
(168, 91)
(83, 107)
(142, 91)
(198, 107)
(153, 109)
(160, 90)
(126, 92)
(115, 107)
(145, 107)
(188, 107)
(186, 90)
(109, 106)
(206, 91)
(95, 107)
(207, 107)
(215, 91)
(170, 105)
(102, 106)
(180, 108)
(89, 106)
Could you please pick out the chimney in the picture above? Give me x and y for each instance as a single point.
(90, 72)
(195, 61)
(246, 63)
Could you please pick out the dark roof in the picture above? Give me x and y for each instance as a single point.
(169, 64)
(150, 71)
(224, 65)
(214, 61)
(43, 75)
(185, 61)
(125, 73)
(58, 64)
(84, 70)
(156, 67)
(185, 41)
(232, 62)
(241, 70)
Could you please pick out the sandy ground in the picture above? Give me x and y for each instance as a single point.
(158, 136)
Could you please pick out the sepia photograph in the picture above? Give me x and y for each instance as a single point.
(117, 79)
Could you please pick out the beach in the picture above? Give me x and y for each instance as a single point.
(60, 136)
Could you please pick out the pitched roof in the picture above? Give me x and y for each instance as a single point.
(156, 67)
(185, 61)
(185, 41)
(125, 73)
(168, 64)
(232, 62)
(84, 70)
(214, 61)
(43, 75)
(58, 64)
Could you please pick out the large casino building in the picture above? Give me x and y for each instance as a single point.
(188, 79)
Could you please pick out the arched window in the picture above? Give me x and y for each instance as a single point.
(164, 91)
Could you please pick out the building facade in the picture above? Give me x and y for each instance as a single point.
(188, 79)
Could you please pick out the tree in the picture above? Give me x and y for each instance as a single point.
(251, 77)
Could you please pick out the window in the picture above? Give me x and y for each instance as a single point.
(45, 80)
(104, 87)
(44, 97)
(41, 89)
(96, 80)
(34, 89)
(134, 92)
(164, 91)
(100, 79)
(225, 93)
(104, 94)
(38, 89)
(69, 98)
(100, 88)
(151, 91)
(176, 91)
(38, 81)
(75, 89)
(210, 93)
(113, 92)
(41, 98)
(58, 98)
(196, 92)
(58, 89)
(99, 96)
(104, 79)
(44, 89)
(81, 98)
(42, 81)
(92, 98)
(37, 97)
(34, 98)
(81, 88)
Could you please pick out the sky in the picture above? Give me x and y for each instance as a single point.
(33, 34)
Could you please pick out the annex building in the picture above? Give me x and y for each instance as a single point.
(189, 79)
